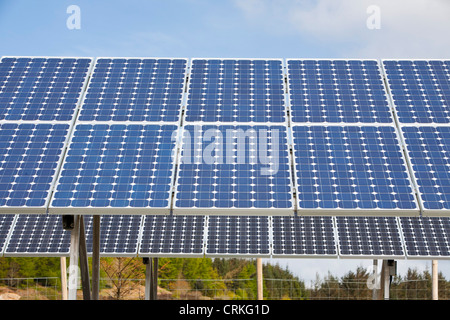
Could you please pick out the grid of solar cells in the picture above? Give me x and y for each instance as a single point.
(426, 236)
(303, 236)
(238, 235)
(29, 157)
(369, 236)
(135, 90)
(350, 167)
(429, 154)
(234, 167)
(420, 90)
(6, 221)
(236, 91)
(41, 88)
(172, 235)
(38, 235)
(345, 91)
(116, 166)
(118, 234)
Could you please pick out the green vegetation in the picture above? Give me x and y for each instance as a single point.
(222, 279)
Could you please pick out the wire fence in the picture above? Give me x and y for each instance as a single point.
(228, 289)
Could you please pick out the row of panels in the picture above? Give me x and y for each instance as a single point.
(112, 161)
(212, 169)
(225, 90)
(230, 236)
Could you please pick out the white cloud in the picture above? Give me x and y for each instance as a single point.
(409, 29)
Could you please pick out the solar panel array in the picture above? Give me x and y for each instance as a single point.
(236, 137)
(234, 236)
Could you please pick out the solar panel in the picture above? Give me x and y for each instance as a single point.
(119, 235)
(240, 236)
(172, 236)
(420, 89)
(303, 237)
(134, 89)
(426, 237)
(6, 221)
(351, 170)
(369, 237)
(117, 168)
(428, 150)
(234, 168)
(337, 91)
(30, 154)
(38, 235)
(236, 90)
(41, 88)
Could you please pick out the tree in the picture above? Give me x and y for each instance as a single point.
(119, 271)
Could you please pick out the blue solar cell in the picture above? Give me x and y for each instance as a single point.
(234, 167)
(303, 236)
(135, 90)
(420, 90)
(426, 237)
(429, 154)
(38, 235)
(369, 236)
(236, 91)
(117, 166)
(346, 91)
(29, 157)
(6, 221)
(172, 235)
(118, 234)
(41, 88)
(238, 235)
(351, 167)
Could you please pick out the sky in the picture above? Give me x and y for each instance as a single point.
(378, 29)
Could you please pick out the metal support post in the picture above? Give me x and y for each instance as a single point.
(148, 277)
(84, 264)
(63, 278)
(154, 290)
(73, 259)
(259, 279)
(434, 285)
(96, 258)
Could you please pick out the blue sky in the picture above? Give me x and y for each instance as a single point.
(227, 28)
(233, 28)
